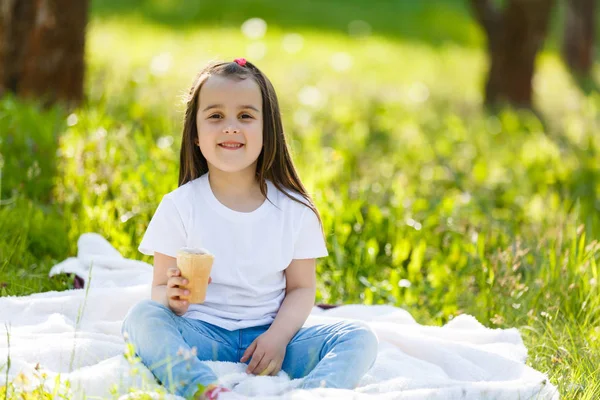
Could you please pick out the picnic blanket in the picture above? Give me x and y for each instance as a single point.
(73, 338)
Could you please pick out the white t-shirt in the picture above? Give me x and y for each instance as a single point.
(251, 250)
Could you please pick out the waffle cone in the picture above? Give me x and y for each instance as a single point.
(196, 269)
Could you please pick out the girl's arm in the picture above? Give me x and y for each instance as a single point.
(301, 287)
(165, 271)
(268, 350)
(162, 263)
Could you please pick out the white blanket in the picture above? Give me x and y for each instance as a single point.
(75, 334)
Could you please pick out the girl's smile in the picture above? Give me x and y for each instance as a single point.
(231, 145)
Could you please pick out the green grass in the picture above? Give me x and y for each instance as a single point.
(436, 22)
(494, 216)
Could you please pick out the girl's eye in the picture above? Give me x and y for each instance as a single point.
(215, 115)
(246, 115)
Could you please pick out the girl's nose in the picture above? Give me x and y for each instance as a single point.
(231, 130)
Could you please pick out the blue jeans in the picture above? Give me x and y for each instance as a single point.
(333, 355)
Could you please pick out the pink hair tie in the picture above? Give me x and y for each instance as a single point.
(241, 61)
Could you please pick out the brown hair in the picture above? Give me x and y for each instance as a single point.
(274, 162)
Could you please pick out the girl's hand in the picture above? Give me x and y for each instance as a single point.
(267, 352)
(175, 289)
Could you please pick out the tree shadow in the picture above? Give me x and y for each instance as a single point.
(28, 149)
(435, 22)
(586, 84)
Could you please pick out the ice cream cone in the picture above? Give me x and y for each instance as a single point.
(195, 266)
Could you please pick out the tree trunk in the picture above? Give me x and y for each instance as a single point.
(514, 34)
(578, 41)
(42, 49)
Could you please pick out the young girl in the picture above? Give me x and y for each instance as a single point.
(240, 197)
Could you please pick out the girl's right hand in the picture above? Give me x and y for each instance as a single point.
(175, 289)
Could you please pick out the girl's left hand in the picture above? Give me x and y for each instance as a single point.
(267, 352)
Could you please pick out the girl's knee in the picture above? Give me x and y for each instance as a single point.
(365, 339)
(362, 333)
(144, 313)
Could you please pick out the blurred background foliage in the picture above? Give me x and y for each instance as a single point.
(429, 202)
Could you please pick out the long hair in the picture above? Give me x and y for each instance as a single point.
(274, 162)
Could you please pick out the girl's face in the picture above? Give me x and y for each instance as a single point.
(230, 112)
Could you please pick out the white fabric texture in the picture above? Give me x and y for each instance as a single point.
(251, 250)
(77, 333)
